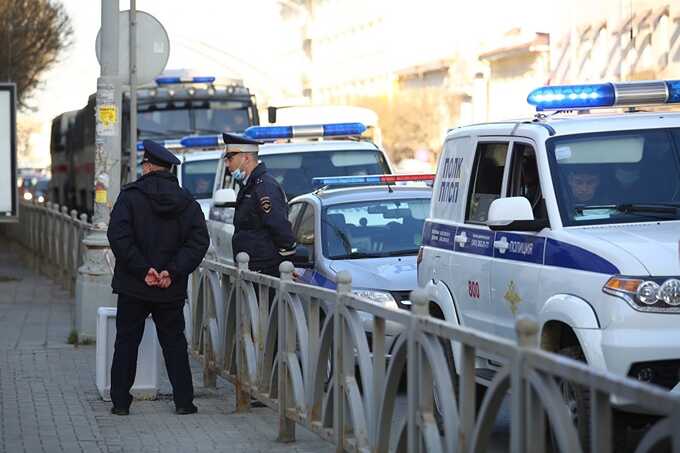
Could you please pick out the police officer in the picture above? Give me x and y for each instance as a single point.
(261, 225)
(158, 234)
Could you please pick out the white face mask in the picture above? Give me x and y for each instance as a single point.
(238, 174)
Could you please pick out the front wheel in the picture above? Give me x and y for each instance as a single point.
(577, 401)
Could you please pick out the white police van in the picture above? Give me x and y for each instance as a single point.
(572, 219)
(294, 155)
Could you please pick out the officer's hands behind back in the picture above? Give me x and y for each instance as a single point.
(153, 278)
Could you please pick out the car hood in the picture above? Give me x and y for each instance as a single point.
(389, 274)
(654, 245)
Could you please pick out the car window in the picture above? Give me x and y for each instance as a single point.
(487, 180)
(374, 228)
(294, 212)
(294, 171)
(305, 229)
(524, 178)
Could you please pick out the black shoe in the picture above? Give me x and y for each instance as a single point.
(256, 403)
(119, 411)
(186, 410)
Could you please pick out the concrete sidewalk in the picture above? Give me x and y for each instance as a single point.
(49, 401)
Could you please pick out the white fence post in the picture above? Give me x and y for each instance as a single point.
(286, 346)
(344, 280)
(242, 398)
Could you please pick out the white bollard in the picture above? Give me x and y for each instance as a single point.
(148, 358)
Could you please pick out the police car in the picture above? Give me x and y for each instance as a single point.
(293, 155)
(196, 172)
(366, 225)
(572, 219)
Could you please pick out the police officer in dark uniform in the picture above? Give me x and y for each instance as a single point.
(158, 234)
(261, 225)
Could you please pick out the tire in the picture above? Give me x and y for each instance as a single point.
(577, 400)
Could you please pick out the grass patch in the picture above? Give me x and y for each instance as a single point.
(75, 340)
(73, 337)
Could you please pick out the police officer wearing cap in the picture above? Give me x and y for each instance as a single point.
(261, 225)
(158, 235)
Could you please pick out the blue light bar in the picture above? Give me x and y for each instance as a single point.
(306, 131)
(201, 141)
(571, 97)
(171, 80)
(370, 180)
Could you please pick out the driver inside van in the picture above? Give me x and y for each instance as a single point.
(583, 185)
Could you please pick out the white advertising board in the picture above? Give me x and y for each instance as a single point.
(8, 156)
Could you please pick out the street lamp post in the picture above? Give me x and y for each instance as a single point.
(93, 286)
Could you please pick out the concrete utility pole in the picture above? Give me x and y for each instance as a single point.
(93, 288)
(133, 90)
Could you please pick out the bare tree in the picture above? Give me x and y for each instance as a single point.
(32, 35)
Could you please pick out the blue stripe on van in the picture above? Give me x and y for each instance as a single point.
(526, 248)
(439, 235)
(521, 247)
(479, 242)
(561, 254)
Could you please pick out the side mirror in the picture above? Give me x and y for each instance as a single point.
(513, 214)
(302, 257)
(225, 198)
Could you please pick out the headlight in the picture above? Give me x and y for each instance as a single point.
(41, 199)
(379, 297)
(28, 196)
(660, 294)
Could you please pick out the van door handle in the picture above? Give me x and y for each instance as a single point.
(502, 245)
(461, 239)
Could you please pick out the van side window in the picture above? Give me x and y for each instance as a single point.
(487, 176)
(524, 181)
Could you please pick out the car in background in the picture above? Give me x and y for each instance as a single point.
(367, 226)
(306, 152)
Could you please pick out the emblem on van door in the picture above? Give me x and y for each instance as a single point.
(512, 297)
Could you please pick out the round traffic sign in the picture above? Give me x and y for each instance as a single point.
(153, 47)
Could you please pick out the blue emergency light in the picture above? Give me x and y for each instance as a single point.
(170, 144)
(201, 141)
(370, 180)
(171, 80)
(625, 94)
(308, 131)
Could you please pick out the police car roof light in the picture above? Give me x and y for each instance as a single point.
(169, 144)
(311, 130)
(201, 141)
(170, 80)
(369, 180)
(572, 97)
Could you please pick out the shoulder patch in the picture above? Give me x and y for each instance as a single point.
(266, 204)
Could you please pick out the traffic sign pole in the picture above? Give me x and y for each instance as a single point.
(133, 90)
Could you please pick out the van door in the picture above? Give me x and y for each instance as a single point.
(221, 219)
(518, 256)
(473, 241)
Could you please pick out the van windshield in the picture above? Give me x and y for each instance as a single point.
(198, 177)
(617, 177)
(294, 171)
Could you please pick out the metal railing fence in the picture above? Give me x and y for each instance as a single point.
(304, 352)
(53, 238)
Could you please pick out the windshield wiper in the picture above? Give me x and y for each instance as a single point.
(210, 131)
(657, 210)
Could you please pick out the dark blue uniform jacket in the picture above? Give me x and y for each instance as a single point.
(261, 226)
(155, 223)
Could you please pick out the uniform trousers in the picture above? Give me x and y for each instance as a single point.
(169, 319)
